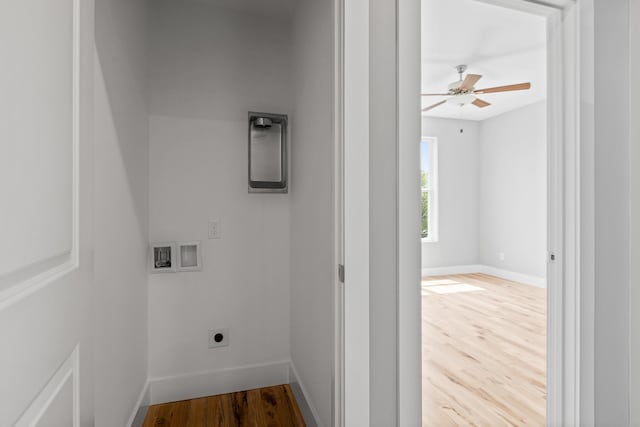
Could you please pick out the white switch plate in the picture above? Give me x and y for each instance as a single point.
(221, 343)
(501, 256)
(214, 229)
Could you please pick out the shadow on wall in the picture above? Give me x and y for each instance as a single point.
(121, 55)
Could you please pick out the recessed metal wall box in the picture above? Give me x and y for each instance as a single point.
(163, 257)
(189, 256)
(267, 153)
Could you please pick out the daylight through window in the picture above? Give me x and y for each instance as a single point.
(429, 181)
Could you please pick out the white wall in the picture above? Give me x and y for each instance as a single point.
(491, 192)
(312, 208)
(611, 24)
(120, 209)
(458, 187)
(634, 180)
(611, 212)
(207, 68)
(513, 191)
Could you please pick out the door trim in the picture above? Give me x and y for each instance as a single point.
(568, 324)
(565, 318)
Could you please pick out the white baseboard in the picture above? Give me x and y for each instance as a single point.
(525, 279)
(538, 282)
(209, 383)
(309, 412)
(143, 400)
(454, 269)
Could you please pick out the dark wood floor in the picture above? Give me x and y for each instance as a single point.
(270, 406)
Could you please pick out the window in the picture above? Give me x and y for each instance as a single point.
(429, 185)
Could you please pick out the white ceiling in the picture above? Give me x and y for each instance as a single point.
(269, 8)
(503, 45)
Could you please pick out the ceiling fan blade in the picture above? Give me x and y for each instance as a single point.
(437, 104)
(470, 81)
(434, 94)
(480, 103)
(508, 88)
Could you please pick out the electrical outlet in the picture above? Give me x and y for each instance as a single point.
(501, 256)
(214, 229)
(218, 337)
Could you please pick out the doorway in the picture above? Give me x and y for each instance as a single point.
(563, 346)
(546, 311)
(484, 214)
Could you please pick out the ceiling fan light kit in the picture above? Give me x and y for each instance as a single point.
(463, 91)
(462, 99)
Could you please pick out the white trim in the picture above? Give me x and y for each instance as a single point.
(355, 98)
(69, 370)
(142, 400)
(570, 217)
(208, 383)
(408, 310)
(536, 7)
(525, 279)
(37, 279)
(453, 269)
(564, 220)
(337, 401)
(303, 399)
(634, 215)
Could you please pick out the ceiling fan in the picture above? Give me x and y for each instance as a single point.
(463, 91)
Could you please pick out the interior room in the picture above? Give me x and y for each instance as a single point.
(206, 279)
(267, 269)
(261, 281)
(484, 215)
(212, 213)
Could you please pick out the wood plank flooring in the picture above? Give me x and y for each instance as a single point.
(483, 352)
(270, 406)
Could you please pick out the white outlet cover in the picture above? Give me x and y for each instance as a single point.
(225, 339)
(214, 229)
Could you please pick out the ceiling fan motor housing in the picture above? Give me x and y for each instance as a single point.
(463, 91)
(453, 87)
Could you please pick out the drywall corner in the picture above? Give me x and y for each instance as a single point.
(309, 413)
(140, 408)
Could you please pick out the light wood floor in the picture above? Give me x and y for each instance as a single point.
(483, 352)
(269, 406)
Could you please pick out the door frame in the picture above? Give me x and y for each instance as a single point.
(351, 200)
(563, 206)
(568, 325)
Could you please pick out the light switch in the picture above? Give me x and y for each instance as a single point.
(214, 229)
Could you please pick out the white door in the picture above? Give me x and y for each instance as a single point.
(46, 51)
